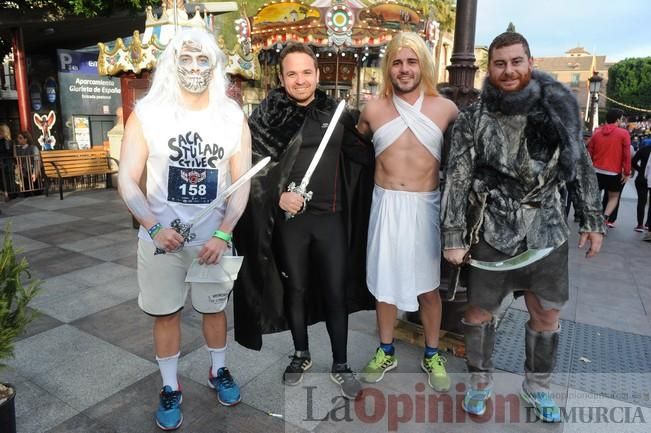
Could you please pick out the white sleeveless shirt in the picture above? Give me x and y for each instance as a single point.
(188, 163)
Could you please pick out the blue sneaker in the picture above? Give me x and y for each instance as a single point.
(474, 402)
(168, 414)
(228, 392)
(543, 404)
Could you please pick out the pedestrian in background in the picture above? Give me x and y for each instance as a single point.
(639, 164)
(610, 150)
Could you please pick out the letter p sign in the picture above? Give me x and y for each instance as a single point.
(65, 60)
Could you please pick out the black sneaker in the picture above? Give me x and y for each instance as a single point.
(348, 383)
(294, 372)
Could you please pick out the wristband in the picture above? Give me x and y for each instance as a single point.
(226, 237)
(153, 230)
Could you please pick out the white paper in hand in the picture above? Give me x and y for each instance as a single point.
(224, 271)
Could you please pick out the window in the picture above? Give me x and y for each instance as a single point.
(575, 80)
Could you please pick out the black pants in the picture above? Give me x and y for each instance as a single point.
(643, 193)
(312, 249)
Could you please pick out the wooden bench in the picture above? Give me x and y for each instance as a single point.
(62, 164)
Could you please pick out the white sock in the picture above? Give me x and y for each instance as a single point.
(218, 359)
(168, 368)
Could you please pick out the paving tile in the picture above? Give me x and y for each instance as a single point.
(54, 261)
(130, 261)
(87, 301)
(89, 243)
(94, 228)
(124, 235)
(635, 322)
(122, 219)
(131, 329)
(133, 411)
(89, 211)
(41, 323)
(24, 244)
(100, 273)
(245, 364)
(37, 409)
(115, 251)
(82, 424)
(53, 203)
(35, 220)
(74, 364)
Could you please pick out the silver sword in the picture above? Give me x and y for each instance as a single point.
(184, 228)
(302, 188)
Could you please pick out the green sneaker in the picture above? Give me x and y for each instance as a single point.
(377, 366)
(437, 377)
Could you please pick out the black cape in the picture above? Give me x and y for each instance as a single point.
(276, 127)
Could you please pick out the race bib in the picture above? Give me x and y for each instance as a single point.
(192, 185)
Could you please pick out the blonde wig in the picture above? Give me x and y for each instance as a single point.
(425, 60)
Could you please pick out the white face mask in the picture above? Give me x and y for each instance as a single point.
(193, 68)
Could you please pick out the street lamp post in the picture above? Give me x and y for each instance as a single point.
(595, 86)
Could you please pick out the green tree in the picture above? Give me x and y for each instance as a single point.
(629, 82)
(57, 9)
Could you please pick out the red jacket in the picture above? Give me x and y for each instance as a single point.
(610, 149)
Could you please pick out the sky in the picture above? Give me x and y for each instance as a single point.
(617, 29)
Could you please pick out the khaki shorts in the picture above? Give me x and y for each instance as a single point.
(163, 289)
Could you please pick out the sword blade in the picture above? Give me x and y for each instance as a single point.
(520, 261)
(322, 145)
(231, 189)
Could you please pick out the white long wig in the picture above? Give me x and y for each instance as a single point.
(165, 89)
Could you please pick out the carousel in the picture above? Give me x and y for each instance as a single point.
(348, 37)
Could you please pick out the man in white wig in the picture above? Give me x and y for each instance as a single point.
(194, 141)
(404, 247)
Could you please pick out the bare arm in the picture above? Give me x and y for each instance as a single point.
(363, 125)
(133, 158)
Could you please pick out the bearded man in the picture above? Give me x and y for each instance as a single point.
(511, 152)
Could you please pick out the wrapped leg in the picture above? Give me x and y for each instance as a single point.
(480, 342)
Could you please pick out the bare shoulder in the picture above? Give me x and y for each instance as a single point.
(442, 106)
(375, 106)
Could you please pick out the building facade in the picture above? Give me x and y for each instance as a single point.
(574, 69)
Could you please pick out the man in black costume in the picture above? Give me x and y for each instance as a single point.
(310, 266)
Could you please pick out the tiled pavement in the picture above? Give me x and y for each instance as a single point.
(86, 364)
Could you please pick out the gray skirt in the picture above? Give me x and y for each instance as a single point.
(546, 278)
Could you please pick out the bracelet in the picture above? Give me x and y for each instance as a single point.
(226, 237)
(153, 230)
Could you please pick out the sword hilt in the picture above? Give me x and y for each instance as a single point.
(182, 229)
(300, 190)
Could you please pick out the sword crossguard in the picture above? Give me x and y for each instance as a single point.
(300, 190)
(182, 229)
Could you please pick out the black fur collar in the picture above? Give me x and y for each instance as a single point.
(278, 119)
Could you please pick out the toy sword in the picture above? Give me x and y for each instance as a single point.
(184, 228)
(302, 188)
(520, 261)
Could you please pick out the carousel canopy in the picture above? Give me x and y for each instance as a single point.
(338, 23)
(143, 51)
